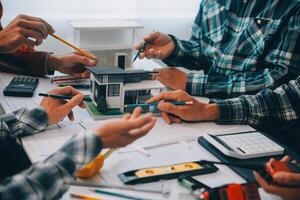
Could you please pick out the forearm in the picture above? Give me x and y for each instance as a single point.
(280, 105)
(50, 179)
(26, 61)
(22, 122)
(216, 85)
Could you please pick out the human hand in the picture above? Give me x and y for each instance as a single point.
(24, 31)
(73, 64)
(193, 113)
(160, 46)
(121, 132)
(287, 184)
(172, 78)
(58, 109)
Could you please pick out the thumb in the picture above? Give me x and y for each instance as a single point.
(84, 60)
(75, 101)
(287, 178)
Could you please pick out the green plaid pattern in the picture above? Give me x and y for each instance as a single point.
(48, 179)
(278, 106)
(243, 46)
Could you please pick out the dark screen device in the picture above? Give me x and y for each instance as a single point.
(21, 87)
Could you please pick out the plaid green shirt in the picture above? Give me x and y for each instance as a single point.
(243, 46)
(278, 107)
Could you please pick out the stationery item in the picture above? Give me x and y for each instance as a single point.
(82, 52)
(94, 167)
(142, 49)
(87, 98)
(166, 172)
(163, 189)
(21, 87)
(118, 195)
(177, 103)
(192, 184)
(245, 145)
(247, 174)
(68, 80)
(84, 197)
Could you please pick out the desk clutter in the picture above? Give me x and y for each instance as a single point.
(124, 167)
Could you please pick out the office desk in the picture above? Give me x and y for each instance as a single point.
(41, 145)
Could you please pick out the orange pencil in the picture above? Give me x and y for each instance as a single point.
(82, 52)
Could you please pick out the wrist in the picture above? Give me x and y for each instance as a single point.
(212, 112)
(53, 62)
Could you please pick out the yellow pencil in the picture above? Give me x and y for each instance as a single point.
(84, 197)
(84, 53)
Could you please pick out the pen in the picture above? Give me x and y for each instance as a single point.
(117, 194)
(140, 51)
(85, 197)
(177, 103)
(58, 96)
(82, 52)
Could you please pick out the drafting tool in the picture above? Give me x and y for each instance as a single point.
(94, 167)
(84, 197)
(141, 50)
(166, 172)
(266, 171)
(118, 194)
(64, 97)
(177, 103)
(163, 189)
(82, 52)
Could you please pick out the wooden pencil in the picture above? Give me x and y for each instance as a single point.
(84, 53)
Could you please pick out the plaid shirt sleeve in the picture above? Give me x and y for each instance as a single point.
(22, 122)
(48, 179)
(259, 57)
(281, 104)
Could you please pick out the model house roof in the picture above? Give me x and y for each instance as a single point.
(116, 71)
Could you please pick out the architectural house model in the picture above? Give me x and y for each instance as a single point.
(113, 89)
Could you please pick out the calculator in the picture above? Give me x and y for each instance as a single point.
(21, 87)
(245, 145)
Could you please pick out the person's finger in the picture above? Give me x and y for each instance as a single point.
(139, 122)
(285, 159)
(68, 90)
(142, 56)
(37, 26)
(176, 120)
(22, 41)
(151, 53)
(88, 61)
(171, 108)
(164, 96)
(136, 112)
(31, 33)
(138, 46)
(48, 26)
(152, 37)
(160, 54)
(139, 132)
(71, 116)
(127, 116)
(75, 101)
(80, 59)
(287, 178)
(85, 74)
(166, 118)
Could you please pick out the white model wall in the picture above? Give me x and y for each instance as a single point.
(170, 16)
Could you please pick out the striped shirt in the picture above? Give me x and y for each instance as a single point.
(243, 46)
(48, 179)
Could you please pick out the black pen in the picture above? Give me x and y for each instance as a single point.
(65, 97)
(141, 50)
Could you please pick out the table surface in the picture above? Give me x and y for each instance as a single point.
(41, 145)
